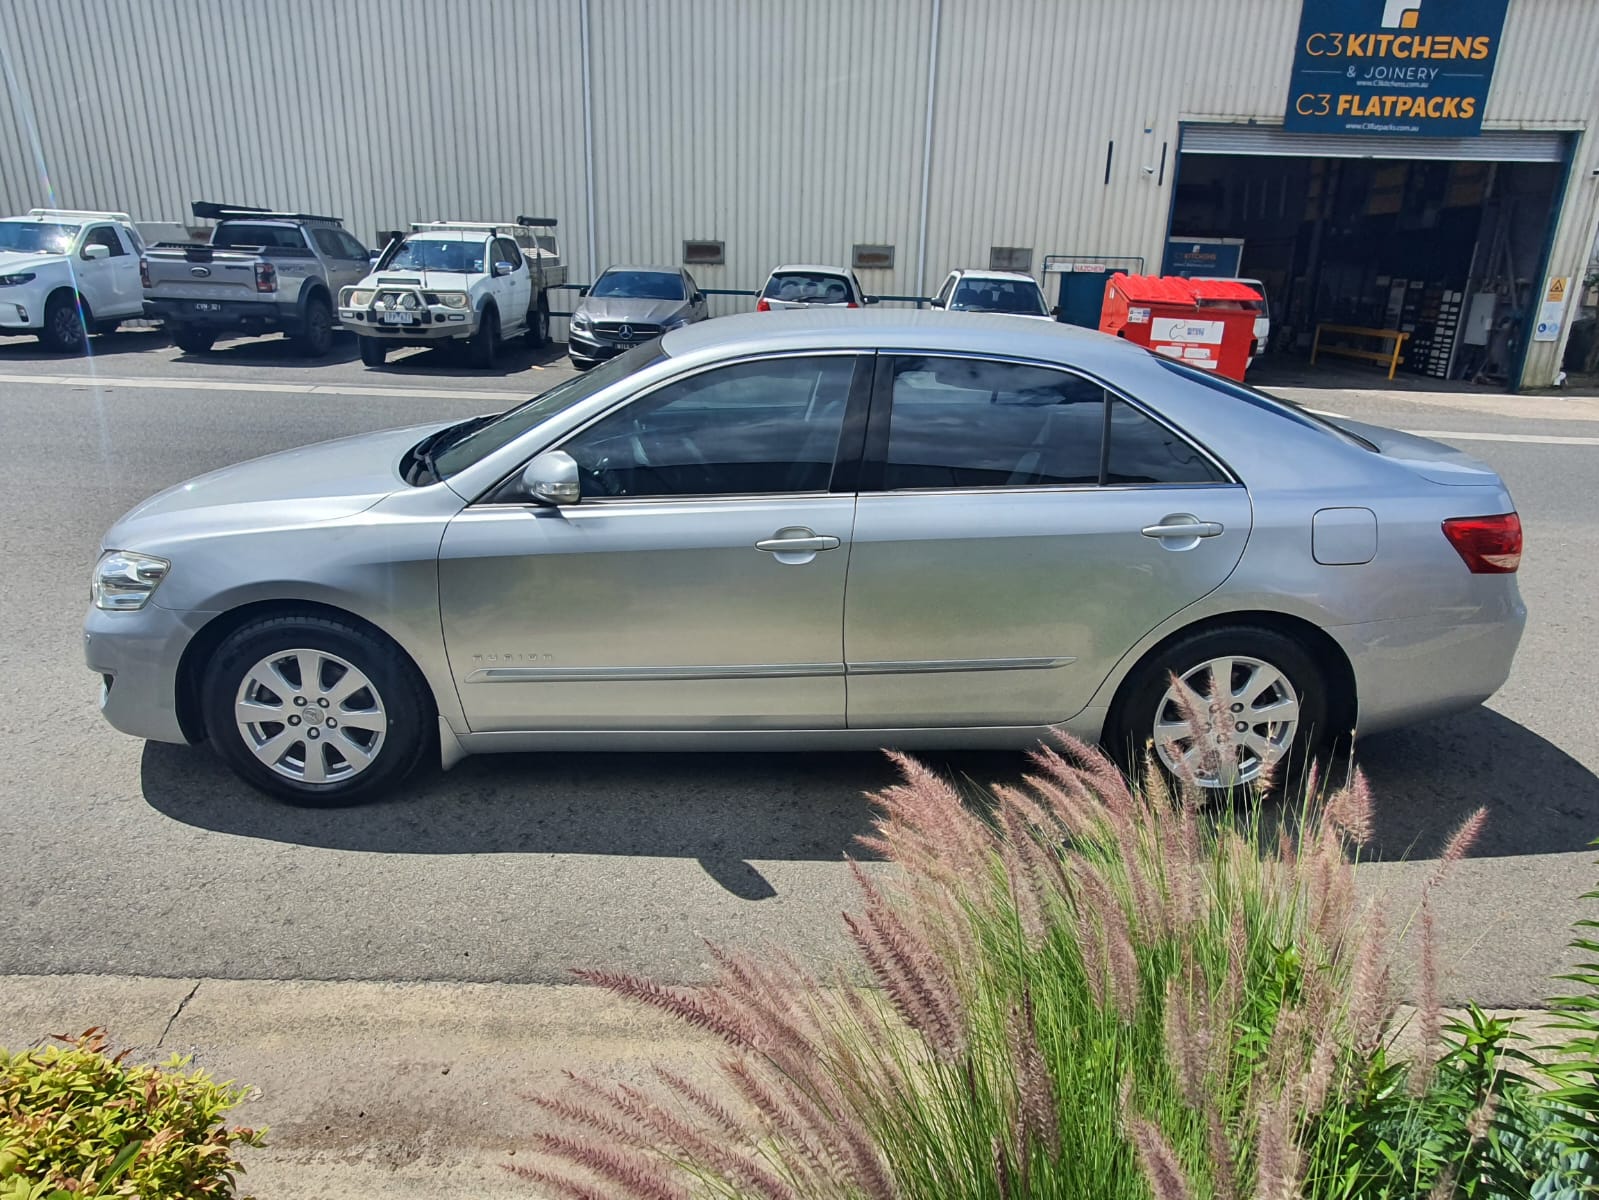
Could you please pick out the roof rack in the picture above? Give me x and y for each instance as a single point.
(548, 222)
(81, 214)
(208, 210)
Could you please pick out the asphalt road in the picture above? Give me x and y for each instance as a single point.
(116, 857)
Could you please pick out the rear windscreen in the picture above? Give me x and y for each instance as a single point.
(238, 233)
(807, 287)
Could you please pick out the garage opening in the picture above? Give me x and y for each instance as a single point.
(1444, 240)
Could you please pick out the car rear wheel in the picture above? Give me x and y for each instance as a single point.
(538, 324)
(193, 341)
(1222, 708)
(315, 710)
(66, 329)
(315, 336)
(373, 352)
(486, 341)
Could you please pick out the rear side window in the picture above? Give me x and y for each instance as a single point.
(958, 423)
(242, 233)
(808, 287)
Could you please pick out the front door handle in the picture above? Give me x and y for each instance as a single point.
(1183, 528)
(797, 541)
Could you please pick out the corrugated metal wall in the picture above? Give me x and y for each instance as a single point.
(790, 131)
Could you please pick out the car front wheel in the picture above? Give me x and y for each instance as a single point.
(1223, 708)
(315, 710)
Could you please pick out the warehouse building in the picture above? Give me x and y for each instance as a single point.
(1423, 165)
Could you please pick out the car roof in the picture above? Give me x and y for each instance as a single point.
(448, 235)
(900, 329)
(821, 270)
(974, 273)
(647, 269)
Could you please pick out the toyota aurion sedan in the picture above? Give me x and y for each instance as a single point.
(820, 531)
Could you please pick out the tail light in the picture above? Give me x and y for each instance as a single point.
(762, 306)
(266, 277)
(144, 273)
(1489, 545)
(852, 304)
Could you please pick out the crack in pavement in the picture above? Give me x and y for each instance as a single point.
(177, 1012)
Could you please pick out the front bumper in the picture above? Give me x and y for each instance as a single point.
(136, 654)
(428, 324)
(591, 347)
(22, 308)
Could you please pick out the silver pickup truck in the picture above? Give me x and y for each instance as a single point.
(261, 272)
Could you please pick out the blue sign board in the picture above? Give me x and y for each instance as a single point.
(1203, 257)
(1419, 67)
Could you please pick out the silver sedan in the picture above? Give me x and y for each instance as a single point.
(816, 530)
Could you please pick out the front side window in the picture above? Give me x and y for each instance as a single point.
(437, 254)
(975, 423)
(972, 423)
(104, 235)
(769, 426)
(638, 285)
(505, 251)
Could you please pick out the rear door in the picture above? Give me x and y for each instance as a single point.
(1018, 529)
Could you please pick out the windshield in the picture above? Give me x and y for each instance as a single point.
(436, 254)
(34, 237)
(1259, 399)
(639, 285)
(807, 287)
(999, 295)
(513, 423)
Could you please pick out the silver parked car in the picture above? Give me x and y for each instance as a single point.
(816, 530)
(627, 306)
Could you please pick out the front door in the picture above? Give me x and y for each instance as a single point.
(518, 284)
(698, 584)
(110, 284)
(1009, 542)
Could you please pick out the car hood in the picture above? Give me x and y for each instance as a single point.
(1427, 458)
(14, 262)
(619, 308)
(307, 485)
(443, 281)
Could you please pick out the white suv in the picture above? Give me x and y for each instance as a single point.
(65, 273)
(456, 282)
(1008, 292)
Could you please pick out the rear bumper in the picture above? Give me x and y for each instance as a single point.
(1414, 668)
(224, 314)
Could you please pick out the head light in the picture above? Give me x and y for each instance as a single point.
(453, 299)
(14, 280)
(581, 320)
(358, 297)
(124, 581)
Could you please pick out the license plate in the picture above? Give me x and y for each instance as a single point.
(204, 307)
(397, 318)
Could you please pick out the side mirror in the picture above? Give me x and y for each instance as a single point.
(551, 478)
(373, 256)
(583, 291)
(699, 297)
(1055, 312)
(502, 268)
(935, 303)
(96, 251)
(872, 299)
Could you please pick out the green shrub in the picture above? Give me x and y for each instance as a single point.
(76, 1122)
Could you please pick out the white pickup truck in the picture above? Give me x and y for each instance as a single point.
(66, 273)
(457, 283)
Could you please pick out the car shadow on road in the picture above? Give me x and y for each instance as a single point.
(273, 350)
(101, 345)
(725, 810)
(514, 358)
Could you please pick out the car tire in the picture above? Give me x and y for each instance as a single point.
(1271, 673)
(360, 742)
(66, 324)
(538, 324)
(485, 343)
(373, 352)
(314, 338)
(193, 341)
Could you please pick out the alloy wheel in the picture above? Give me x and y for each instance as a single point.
(310, 716)
(1225, 721)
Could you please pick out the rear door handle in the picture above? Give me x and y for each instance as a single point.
(1183, 529)
(798, 542)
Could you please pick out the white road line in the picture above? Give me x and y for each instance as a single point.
(303, 389)
(1536, 439)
